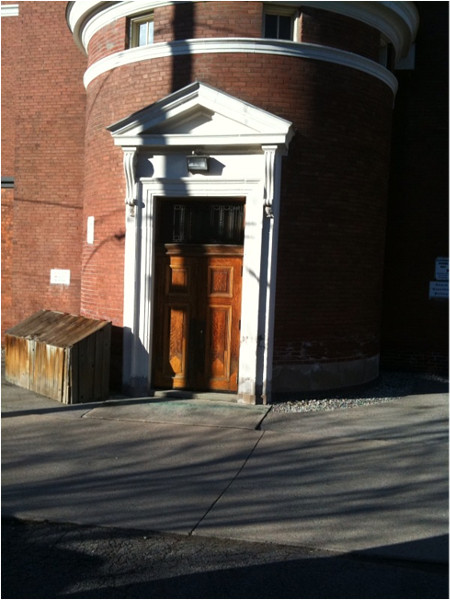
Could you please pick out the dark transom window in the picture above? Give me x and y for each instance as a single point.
(201, 221)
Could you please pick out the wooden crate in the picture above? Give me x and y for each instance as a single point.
(65, 357)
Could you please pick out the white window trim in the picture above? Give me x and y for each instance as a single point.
(134, 24)
(283, 11)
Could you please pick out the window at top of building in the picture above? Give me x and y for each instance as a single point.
(279, 24)
(386, 55)
(141, 31)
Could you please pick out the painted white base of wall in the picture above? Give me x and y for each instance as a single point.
(321, 376)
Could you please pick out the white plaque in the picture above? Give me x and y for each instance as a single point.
(438, 289)
(441, 269)
(60, 276)
(90, 230)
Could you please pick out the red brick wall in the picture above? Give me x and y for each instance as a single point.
(48, 116)
(9, 47)
(103, 261)
(215, 19)
(111, 39)
(7, 258)
(334, 191)
(184, 21)
(332, 222)
(208, 19)
(332, 225)
(415, 327)
(321, 27)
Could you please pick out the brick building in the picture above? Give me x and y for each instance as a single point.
(254, 193)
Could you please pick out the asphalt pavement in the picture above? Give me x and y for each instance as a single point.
(192, 498)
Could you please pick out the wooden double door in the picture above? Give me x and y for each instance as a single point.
(197, 326)
(198, 299)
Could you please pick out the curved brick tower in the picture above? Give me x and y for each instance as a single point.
(263, 273)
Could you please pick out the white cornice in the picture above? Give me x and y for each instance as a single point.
(241, 45)
(86, 17)
(396, 21)
(173, 140)
(9, 10)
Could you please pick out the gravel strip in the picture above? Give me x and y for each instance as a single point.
(388, 387)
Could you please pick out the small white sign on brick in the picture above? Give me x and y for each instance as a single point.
(60, 276)
(441, 269)
(438, 289)
(90, 230)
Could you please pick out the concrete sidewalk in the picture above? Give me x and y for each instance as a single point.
(372, 479)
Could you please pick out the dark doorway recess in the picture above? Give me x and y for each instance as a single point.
(198, 275)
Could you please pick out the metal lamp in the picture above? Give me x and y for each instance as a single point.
(197, 162)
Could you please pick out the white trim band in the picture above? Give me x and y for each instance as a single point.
(396, 21)
(9, 10)
(241, 45)
(324, 375)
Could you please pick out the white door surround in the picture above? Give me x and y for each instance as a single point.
(245, 145)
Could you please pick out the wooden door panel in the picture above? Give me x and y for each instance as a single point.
(178, 276)
(170, 353)
(171, 324)
(218, 346)
(220, 281)
(224, 313)
(177, 328)
(198, 296)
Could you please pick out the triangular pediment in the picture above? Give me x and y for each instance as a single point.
(202, 114)
(201, 120)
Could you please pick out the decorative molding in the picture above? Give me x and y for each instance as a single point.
(268, 269)
(174, 140)
(254, 174)
(269, 183)
(237, 46)
(251, 126)
(129, 165)
(139, 289)
(396, 21)
(86, 17)
(212, 187)
(9, 10)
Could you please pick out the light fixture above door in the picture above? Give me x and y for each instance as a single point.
(197, 162)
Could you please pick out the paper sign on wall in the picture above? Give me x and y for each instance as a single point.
(441, 269)
(438, 289)
(90, 230)
(60, 276)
